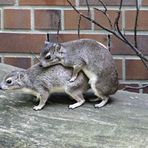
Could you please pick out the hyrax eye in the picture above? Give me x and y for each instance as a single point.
(8, 81)
(48, 57)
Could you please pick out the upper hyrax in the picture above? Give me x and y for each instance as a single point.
(86, 55)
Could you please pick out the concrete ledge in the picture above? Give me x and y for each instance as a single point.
(122, 123)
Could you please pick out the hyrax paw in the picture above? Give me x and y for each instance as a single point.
(72, 106)
(72, 79)
(37, 108)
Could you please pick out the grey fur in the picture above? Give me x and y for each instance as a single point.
(88, 55)
(41, 82)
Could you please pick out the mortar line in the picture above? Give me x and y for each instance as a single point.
(16, 2)
(2, 59)
(100, 32)
(62, 20)
(32, 19)
(2, 19)
(77, 3)
(32, 60)
(27, 55)
(123, 69)
(93, 17)
(123, 21)
(133, 81)
(95, 32)
(140, 90)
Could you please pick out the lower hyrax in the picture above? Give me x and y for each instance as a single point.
(41, 82)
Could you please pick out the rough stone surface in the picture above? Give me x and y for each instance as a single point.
(122, 123)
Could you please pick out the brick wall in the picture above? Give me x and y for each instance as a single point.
(24, 23)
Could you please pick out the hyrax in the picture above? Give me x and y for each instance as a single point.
(88, 55)
(41, 82)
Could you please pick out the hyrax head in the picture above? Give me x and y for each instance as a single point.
(14, 80)
(50, 54)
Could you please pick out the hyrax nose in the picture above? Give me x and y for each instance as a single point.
(40, 65)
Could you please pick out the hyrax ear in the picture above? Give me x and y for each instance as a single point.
(21, 75)
(46, 43)
(57, 47)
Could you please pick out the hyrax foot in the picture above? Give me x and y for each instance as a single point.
(37, 107)
(103, 103)
(75, 105)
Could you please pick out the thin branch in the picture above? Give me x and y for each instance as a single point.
(79, 25)
(136, 24)
(117, 32)
(104, 5)
(105, 13)
(88, 8)
(48, 40)
(93, 21)
(58, 29)
(116, 23)
(109, 42)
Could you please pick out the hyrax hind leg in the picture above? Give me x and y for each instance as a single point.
(76, 95)
(104, 99)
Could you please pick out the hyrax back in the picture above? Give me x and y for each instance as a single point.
(41, 82)
(88, 55)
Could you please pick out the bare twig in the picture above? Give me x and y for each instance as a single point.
(136, 23)
(88, 8)
(58, 29)
(115, 32)
(104, 5)
(79, 25)
(93, 21)
(109, 42)
(48, 40)
(105, 13)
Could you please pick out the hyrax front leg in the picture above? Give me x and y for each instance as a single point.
(42, 100)
(76, 70)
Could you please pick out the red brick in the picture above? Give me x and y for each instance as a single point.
(102, 19)
(18, 62)
(24, 43)
(118, 47)
(125, 87)
(145, 90)
(107, 2)
(119, 68)
(0, 19)
(69, 37)
(142, 22)
(135, 70)
(45, 2)
(72, 19)
(21, 43)
(47, 19)
(145, 2)
(16, 19)
(7, 2)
